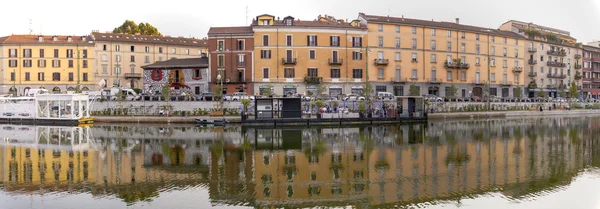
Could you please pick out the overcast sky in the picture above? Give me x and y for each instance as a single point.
(193, 18)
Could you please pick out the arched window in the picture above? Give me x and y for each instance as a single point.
(70, 88)
(56, 90)
(85, 88)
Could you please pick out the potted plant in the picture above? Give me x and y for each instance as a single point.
(361, 109)
(320, 105)
(246, 104)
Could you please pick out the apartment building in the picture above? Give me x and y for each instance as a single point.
(433, 56)
(231, 58)
(57, 63)
(553, 57)
(121, 56)
(591, 70)
(297, 56)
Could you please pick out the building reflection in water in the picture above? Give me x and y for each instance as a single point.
(374, 166)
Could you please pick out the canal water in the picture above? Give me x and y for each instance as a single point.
(496, 163)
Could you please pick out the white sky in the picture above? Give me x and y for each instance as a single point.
(193, 18)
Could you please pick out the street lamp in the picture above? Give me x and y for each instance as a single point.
(220, 79)
(117, 71)
(14, 82)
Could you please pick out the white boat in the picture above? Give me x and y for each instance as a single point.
(46, 108)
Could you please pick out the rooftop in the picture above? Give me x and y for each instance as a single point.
(322, 22)
(133, 38)
(436, 24)
(241, 30)
(179, 63)
(46, 40)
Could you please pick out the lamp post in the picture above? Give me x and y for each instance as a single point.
(14, 82)
(222, 96)
(117, 71)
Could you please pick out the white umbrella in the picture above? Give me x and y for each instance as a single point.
(102, 83)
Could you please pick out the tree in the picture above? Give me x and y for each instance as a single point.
(268, 91)
(366, 93)
(573, 92)
(541, 93)
(561, 91)
(321, 89)
(451, 93)
(413, 90)
(518, 92)
(129, 27)
(166, 93)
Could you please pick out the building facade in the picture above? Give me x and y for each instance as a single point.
(553, 58)
(188, 75)
(121, 56)
(56, 63)
(231, 58)
(294, 56)
(432, 56)
(591, 71)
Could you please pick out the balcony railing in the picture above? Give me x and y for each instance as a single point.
(478, 81)
(577, 56)
(313, 80)
(532, 74)
(456, 65)
(133, 75)
(435, 80)
(577, 66)
(556, 64)
(517, 69)
(505, 83)
(337, 61)
(532, 62)
(381, 61)
(560, 53)
(399, 80)
(532, 50)
(288, 61)
(241, 64)
(556, 75)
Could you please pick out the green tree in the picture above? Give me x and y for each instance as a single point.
(166, 93)
(129, 27)
(267, 91)
(413, 90)
(561, 91)
(573, 92)
(451, 93)
(321, 89)
(541, 93)
(518, 92)
(367, 92)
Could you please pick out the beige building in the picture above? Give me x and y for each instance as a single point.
(433, 56)
(121, 56)
(553, 57)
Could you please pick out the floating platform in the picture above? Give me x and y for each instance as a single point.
(329, 121)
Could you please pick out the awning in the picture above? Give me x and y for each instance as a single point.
(289, 87)
(178, 85)
(311, 87)
(357, 87)
(335, 87)
(263, 87)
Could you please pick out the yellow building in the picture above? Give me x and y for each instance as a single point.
(433, 56)
(293, 56)
(56, 63)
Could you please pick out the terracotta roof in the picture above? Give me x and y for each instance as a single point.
(130, 38)
(434, 24)
(180, 63)
(230, 30)
(47, 40)
(310, 24)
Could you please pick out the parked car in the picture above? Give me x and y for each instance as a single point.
(354, 97)
(560, 99)
(385, 96)
(239, 96)
(476, 99)
(207, 96)
(227, 97)
(432, 98)
(495, 98)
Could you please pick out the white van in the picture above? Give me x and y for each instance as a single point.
(385, 96)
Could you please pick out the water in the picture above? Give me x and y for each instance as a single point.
(515, 163)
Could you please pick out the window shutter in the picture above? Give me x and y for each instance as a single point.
(316, 43)
(360, 41)
(308, 40)
(330, 40)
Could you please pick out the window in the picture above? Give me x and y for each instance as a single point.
(12, 53)
(380, 89)
(160, 50)
(463, 47)
(433, 32)
(504, 63)
(463, 59)
(517, 42)
(104, 69)
(434, 58)
(27, 53)
(541, 69)
(380, 28)
(397, 29)
(265, 40)
(118, 58)
(356, 41)
(265, 54)
(493, 39)
(174, 50)
(117, 48)
(414, 74)
(397, 43)
(414, 57)
(477, 61)
(312, 54)
(449, 33)
(357, 73)
(380, 41)
(433, 45)
(335, 73)
(516, 53)
(542, 58)
(463, 75)
(288, 40)
(380, 73)
(26, 63)
(266, 73)
(147, 59)
(477, 49)
(504, 51)
(414, 43)
(477, 36)
(41, 76)
(55, 63)
(41, 63)
(414, 30)
(220, 45)
(70, 76)
(357, 55)
(27, 76)
(449, 58)
(55, 53)
(449, 75)
(334, 40)
(187, 51)
(104, 58)
(132, 48)
(462, 35)
(449, 46)
(313, 72)
(220, 61)
(493, 50)
(132, 58)
(240, 45)
(12, 76)
(397, 56)
(288, 73)
(505, 40)
(55, 76)
(266, 22)
(69, 53)
(104, 47)
(147, 49)
(41, 53)
(493, 77)
(516, 78)
(197, 74)
(85, 64)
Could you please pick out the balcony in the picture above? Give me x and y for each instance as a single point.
(478, 81)
(505, 83)
(456, 65)
(517, 69)
(288, 61)
(241, 64)
(133, 75)
(336, 61)
(556, 64)
(532, 74)
(532, 50)
(578, 56)
(577, 66)
(399, 80)
(551, 86)
(532, 62)
(556, 75)
(435, 81)
(384, 62)
(560, 53)
(313, 80)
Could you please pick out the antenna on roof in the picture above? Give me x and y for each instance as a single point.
(246, 14)
(389, 10)
(30, 29)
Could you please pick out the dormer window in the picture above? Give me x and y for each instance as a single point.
(289, 22)
(54, 38)
(266, 22)
(40, 39)
(69, 39)
(83, 39)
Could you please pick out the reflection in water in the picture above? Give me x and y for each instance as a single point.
(302, 167)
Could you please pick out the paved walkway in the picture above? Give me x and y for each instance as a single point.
(462, 115)
(159, 119)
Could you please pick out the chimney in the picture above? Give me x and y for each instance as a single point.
(457, 20)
